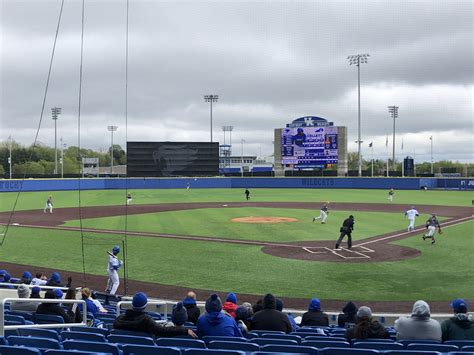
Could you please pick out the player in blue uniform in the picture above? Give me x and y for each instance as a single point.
(113, 266)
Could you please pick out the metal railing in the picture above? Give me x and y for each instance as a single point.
(11, 286)
(158, 303)
(4, 327)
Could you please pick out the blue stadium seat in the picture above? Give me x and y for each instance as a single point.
(460, 352)
(405, 342)
(18, 350)
(233, 345)
(208, 338)
(373, 340)
(212, 352)
(251, 335)
(102, 331)
(47, 319)
(347, 351)
(131, 349)
(70, 335)
(468, 348)
(282, 336)
(460, 343)
(24, 314)
(157, 316)
(10, 332)
(326, 343)
(3, 341)
(129, 332)
(311, 330)
(15, 318)
(305, 335)
(325, 338)
(34, 342)
(375, 345)
(433, 347)
(268, 341)
(130, 339)
(260, 332)
(411, 352)
(299, 349)
(91, 346)
(68, 352)
(181, 343)
(40, 333)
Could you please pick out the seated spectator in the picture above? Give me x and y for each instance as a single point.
(26, 278)
(179, 316)
(216, 322)
(55, 280)
(35, 292)
(5, 278)
(314, 316)
(269, 318)
(74, 307)
(258, 306)
(347, 318)
(365, 327)
(230, 304)
(88, 294)
(419, 325)
(40, 279)
(55, 308)
(279, 307)
(461, 326)
(24, 292)
(136, 319)
(243, 317)
(90, 305)
(192, 309)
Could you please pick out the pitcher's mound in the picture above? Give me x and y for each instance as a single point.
(264, 219)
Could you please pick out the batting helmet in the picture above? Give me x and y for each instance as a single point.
(116, 250)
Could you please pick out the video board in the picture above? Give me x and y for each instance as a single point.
(309, 147)
(172, 159)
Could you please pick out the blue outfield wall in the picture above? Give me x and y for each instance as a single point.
(235, 182)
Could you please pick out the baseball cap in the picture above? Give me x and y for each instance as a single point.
(459, 305)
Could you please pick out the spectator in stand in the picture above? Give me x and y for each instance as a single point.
(269, 318)
(258, 306)
(74, 307)
(230, 304)
(35, 292)
(24, 292)
(347, 318)
(55, 308)
(461, 326)
(216, 322)
(243, 317)
(192, 309)
(5, 278)
(314, 316)
(419, 325)
(39, 280)
(365, 327)
(90, 304)
(26, 278)
(55, 280)
(179, 316)
(279, 307)
(136, 319)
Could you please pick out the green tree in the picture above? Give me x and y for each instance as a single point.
(30, 167)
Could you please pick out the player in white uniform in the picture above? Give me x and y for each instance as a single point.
(323, 214)
(129, 198)
(49, 204)
(390, 195)
(112, 269)
(411, 214)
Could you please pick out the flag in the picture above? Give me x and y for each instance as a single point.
(371, 144)
(386, 142)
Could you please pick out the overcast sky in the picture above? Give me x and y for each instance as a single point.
(269, 61)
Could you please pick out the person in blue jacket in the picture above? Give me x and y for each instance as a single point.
(215, 322)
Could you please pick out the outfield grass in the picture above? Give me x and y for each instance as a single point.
(36, 200)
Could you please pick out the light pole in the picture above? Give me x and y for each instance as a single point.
(242, 155)
(55, 111)
(112, 129)
(211, 99)
(10, 155)
(394, 112)
(62, 156)
(357, 60)
(431, 142)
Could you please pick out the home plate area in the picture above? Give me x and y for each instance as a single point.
(356, 252)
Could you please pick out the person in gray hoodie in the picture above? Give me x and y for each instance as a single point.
(419, 325)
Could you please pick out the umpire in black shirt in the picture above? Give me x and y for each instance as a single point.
(346, 229)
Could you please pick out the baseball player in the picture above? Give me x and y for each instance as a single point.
(346, 229)
(113, 266)
(49, 204)
(411, 214)
(129, 198)
(390, 195)
(247, 194)
(323, 214)
(431, 224)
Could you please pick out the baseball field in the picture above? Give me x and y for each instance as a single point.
(177, 240)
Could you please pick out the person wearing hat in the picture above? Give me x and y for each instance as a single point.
(136, 319)
(347, 318)
(269, 318)
(5, 278)
(215, 322)
(23, 292)
(179, 315)
(323, 214)
(55, 308)
(230, 304)
(346, 229)
(191, 307)
(243, 317)
(55, 280)
(365, 327)
(26, 278)
(113, 266)
(35, 292)
(461, 325)
(279, 307)
(431, 225)
(411, 214)
(419, 325)
(314, 316)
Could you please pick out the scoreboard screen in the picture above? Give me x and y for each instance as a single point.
(309, 147)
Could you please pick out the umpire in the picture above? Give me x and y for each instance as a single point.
(346, 229)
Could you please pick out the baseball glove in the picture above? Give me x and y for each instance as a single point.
(440, 231)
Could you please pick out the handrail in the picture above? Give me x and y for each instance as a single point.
(161, 303)
(15, 286)
(4, 327)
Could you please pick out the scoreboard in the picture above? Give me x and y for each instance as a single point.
(309, 147)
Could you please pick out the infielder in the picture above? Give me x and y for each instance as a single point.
(49, 204)
(431, 224)
(112, 269)
(323, 214)
(411, 214)
(129, 198)
(390, 195)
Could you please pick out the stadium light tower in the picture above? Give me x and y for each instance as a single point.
(112, 129)
(211, 99)
(55, 111)
(357, 60)
(394, 113)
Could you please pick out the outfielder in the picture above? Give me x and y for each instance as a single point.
(411, 214)
(49, 204)
(323, 214)
(390, 195)
(112, 269)
(129, 198)
(431, 224)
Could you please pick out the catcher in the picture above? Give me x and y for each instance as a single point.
(323, 214)
(431, 225)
